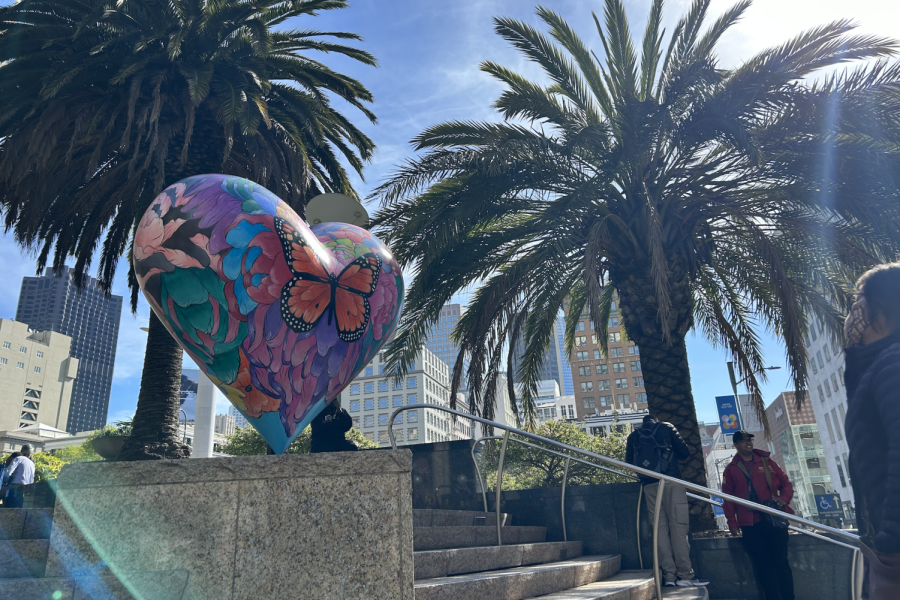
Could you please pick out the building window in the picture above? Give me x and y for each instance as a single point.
(840, 471)
(411, 399)
(584, 371)
(370, 403)
(622, 384)
(382, 386)
(828, 425)
(618, 367)
(615, 336)
(6, 345)
(601, 369)
(370, 436)
(605, 400)
(354, 406)
(812, 332)
(3, 361)
(616, 352)
(634, 351)
(412, 434)
(369, 371)
(614, 321)
(398, 419)
(640, 397)
(587, 386)
(355, 422)
(843, 414)
(834, 382)
(581, 355)
(369, 387)
(20, 365)
(588, 402)
(383, 437)
(623, 399)
(635, 365)
(411, 383)
(812, 363)
(827, 353)
(837, 424)
(37, 369)
(40, 354)
(821, 362)
(841, 375)
(412, 416)
(827, 389)
(603, 384)
(369, 421)
(580, 340)
(597, 354)
(398, 401)
(638, 381)
(580, 326)
(821, 394)
(383, 419)
(23, 349)
(383, 402)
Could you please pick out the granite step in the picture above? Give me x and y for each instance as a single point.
(450, 518)
(685, 593)
(439, 538)
(170, 585)
(23, 558)
(519, 583)
(25, 523)
(458, 561)
(626, 585)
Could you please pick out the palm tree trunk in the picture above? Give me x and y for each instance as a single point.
(155, 431)
(667, 376)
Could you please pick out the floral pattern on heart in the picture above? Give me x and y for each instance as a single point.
(210, 258)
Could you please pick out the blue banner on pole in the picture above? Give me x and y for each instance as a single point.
(716, 508)
(728, 414)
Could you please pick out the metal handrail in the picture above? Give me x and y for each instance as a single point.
(663, 479)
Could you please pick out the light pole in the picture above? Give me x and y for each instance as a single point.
(734, 384)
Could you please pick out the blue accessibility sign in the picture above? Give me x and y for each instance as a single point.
(829, 506)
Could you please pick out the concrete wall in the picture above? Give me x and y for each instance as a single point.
(324, 526)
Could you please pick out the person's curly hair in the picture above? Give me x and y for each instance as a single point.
(880, 287)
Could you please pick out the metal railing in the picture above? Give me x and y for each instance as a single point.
(851, 540)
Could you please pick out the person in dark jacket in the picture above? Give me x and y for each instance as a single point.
(674, 516)
(328, 430)
(766, 544)
(872, 377)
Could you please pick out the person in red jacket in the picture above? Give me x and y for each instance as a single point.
(766, 544)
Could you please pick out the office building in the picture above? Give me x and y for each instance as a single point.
(552, 364)
(224, 425)
(828, 398)
(438, 340)
(373, 395)
(567, 386)
(91, 320)
(37, 375)
(796, 446)
(605, 385)
(240, 421)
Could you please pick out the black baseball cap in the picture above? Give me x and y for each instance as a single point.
(740, 435)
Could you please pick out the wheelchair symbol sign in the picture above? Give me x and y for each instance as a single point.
(829, 506)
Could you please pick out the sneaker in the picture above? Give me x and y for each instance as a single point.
(695, 582)
(669, 584)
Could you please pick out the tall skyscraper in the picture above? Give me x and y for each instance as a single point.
(438, 339)
(555, 366)
(240, 421)
(92, 321)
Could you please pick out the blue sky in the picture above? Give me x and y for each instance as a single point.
(428, 53)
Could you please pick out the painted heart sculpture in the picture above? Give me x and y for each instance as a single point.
(281, 317)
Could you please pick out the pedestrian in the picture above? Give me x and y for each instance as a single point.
(20, 473)
(328, 429)
(657, 446)
(753, 475)
(872, 377)
(4, 474)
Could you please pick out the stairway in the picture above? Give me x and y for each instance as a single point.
(457, 558)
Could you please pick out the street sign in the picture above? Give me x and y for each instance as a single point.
(728, 414)
(829, 506)
(716, 508)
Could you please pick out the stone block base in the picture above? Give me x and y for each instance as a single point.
(323, 526)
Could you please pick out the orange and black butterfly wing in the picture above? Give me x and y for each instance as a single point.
(308, 296)
(355, 285)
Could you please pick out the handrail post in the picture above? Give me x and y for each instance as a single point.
(657, 576)
(857, 573)
(638, 521)
(500, 486)
(478, 472)
(562, 502)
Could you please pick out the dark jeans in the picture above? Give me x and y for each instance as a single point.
(14, 498)
(768, 550)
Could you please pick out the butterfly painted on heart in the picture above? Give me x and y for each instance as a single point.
(314, 292)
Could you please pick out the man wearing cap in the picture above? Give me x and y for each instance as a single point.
(21, 472)
(753, 475)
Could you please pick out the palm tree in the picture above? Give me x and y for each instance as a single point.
(707, 198)
(105, 103)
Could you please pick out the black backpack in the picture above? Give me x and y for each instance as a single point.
(651, 453)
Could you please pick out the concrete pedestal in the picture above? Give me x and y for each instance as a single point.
(324, 526)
